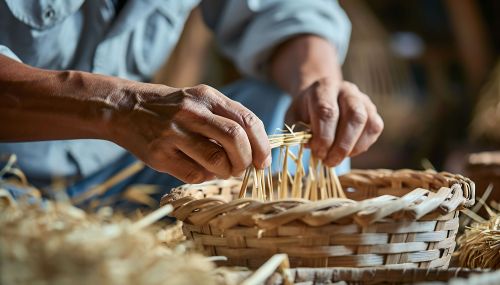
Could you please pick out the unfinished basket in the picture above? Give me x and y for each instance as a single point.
(401, 218)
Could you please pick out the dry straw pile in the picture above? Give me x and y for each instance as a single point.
(56, 243)
(480, 243)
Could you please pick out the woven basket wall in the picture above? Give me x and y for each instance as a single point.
(401, 218)
(361, 276)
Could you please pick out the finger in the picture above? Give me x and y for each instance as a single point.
(205, 152)
(352, 121)
(253, 127)
(229, 134)
(182, 167)
(371, 132)
(324, 115)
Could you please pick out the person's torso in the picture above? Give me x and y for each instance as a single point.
(92, 36)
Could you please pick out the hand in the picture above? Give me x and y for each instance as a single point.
(194, 134)
(344, 120)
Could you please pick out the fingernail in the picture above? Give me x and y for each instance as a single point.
(267, 162)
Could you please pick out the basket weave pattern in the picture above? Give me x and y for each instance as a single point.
(401, 218)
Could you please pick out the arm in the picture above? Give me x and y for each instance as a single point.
(192, 133)
(300, 45)
(344, 121)
(44, 105)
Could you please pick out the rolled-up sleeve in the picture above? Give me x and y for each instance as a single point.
(8, 53)
(248, 30)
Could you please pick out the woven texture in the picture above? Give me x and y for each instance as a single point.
(360, 276)
(395, 218)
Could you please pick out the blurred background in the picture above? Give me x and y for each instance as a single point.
(432, 68)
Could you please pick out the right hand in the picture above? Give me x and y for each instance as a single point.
(194, 134)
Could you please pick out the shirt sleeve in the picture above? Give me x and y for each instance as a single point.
(7, 52)
(248, 30)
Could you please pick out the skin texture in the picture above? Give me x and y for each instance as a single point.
(193, 133)
(344, 121)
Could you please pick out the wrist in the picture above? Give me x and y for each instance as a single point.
(303, 60)
(94, 100)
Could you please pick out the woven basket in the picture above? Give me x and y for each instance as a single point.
(401, 218)
(360, 276)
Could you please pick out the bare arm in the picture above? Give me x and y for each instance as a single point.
(192, 133)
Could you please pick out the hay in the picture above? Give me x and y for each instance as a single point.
(56, 243)
(480, 244)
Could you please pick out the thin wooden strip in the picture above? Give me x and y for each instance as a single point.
(402, 227)
(359, 239)
(276, 262)
(244, 184)
(361, 260)
(275, 220)
(105, 186)
(429, 204)
(421, 256)
(392, 248)
(209, 240)
(291, 230)
(435, 236)
(317, 251)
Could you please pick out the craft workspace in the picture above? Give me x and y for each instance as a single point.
(225, 142)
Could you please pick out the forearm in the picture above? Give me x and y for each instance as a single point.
(39, 104)
(302, 60)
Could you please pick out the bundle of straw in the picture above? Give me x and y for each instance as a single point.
(56, 243)
(321, 181)
(480, 244)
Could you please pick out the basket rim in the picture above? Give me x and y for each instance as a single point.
(454, 192)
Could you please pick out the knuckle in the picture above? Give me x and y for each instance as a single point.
(234, 132)
(350, 86)
(250, 120)
(327, 112)
(357, 115)
(375, 127)
(203, 88)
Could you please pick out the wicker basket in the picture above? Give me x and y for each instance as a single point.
(401, 218)
(361, 276)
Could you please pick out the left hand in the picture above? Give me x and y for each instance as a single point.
(343, 120)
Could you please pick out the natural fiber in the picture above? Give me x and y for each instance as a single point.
(56, 243)
(479, 246)
(402, 218)
(361, 276)
(321, 182)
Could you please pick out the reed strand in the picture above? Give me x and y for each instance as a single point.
(321, 181)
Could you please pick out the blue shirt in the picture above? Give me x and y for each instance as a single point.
(133, 42)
